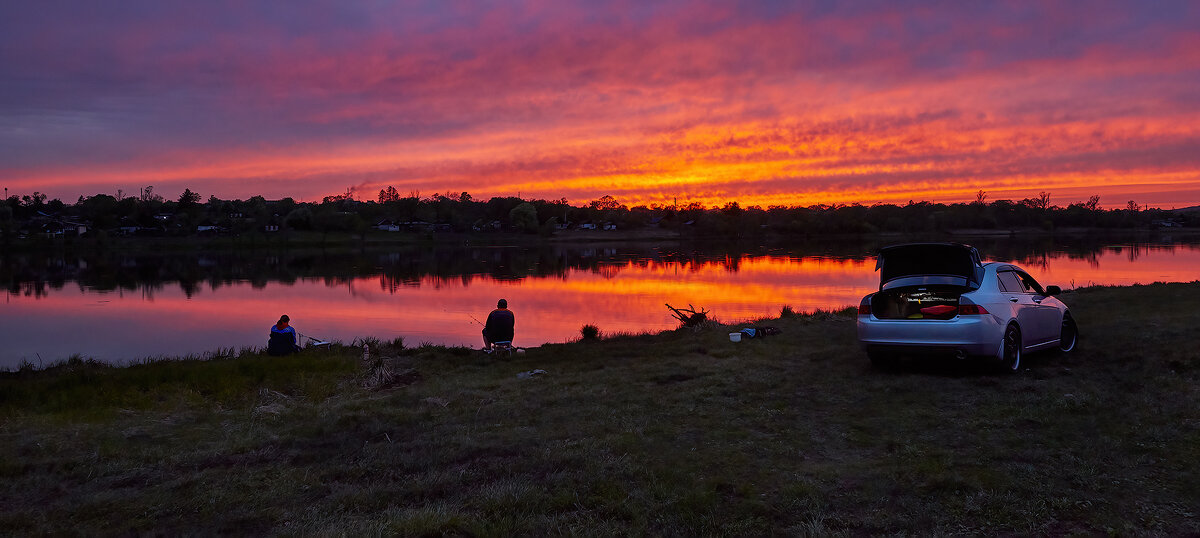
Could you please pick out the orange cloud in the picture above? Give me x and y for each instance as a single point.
(763, 104)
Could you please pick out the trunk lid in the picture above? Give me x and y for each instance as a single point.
(929, 264)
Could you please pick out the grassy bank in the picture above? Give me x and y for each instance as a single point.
(681, 433)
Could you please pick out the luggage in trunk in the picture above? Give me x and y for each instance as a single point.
(917, 303)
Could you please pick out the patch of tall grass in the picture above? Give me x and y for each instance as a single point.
(589, 332)
(86, 387)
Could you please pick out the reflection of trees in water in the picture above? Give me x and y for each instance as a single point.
(38, 274)
(1040, 260)
(34, 289)
(1041, 251)
(1133, 252)
(608, 271)
(392, 284)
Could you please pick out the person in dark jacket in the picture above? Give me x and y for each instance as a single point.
(499, 327)
(283, 338)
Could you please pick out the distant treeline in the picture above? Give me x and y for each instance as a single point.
(150, 214)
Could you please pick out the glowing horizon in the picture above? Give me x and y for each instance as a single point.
(684, 101)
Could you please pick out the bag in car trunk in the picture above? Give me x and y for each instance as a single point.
(917, 302)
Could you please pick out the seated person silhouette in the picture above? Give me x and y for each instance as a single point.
(283, 338)
(499, 328)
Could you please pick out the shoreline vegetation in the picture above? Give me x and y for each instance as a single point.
(681, 432)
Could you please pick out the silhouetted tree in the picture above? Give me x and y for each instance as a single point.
(524, 218)
(388, 195)
(147, 195)
(188, 198)
(1043, 200)
(299, 219)
(35, 202)
(606, 203)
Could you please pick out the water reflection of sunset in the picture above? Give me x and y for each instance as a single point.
(617, 297)
(1118, 265)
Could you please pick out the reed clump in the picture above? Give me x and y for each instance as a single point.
(589, 332)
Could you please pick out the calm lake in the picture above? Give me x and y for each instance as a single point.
(122, 306)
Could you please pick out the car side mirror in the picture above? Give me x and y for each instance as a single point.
(1051, 291)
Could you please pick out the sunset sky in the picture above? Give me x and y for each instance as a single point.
(761, 102)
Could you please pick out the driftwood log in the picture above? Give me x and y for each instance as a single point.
(689, 316)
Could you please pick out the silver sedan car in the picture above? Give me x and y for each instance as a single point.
(938, 298)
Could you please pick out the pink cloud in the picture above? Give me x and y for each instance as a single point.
(553, 100)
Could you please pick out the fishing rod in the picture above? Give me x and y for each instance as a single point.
(314, 341)
(510, 346)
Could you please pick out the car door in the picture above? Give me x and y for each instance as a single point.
(1045, 313)
(1023, 306)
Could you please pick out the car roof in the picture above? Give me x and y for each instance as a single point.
(998, 266)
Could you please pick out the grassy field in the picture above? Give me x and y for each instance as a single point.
(680, 433)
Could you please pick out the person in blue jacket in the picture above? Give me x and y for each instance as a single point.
(283, 338)
(499, 326)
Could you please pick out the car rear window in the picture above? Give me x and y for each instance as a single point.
(1009, 282)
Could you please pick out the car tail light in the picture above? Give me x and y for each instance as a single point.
(864, 308)
(971, 310)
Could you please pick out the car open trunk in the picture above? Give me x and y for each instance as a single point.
(928, 264)
(924, 280)
(917, 302)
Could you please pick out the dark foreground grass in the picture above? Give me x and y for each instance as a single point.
(87, 389)
(681, 433)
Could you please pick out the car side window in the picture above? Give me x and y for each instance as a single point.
(1030, 285)
(1009, 282)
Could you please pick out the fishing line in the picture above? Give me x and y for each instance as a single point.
(473, 318)
(314, 341)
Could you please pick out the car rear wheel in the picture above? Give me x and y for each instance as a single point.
(1068, 336)
(1011, 361)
